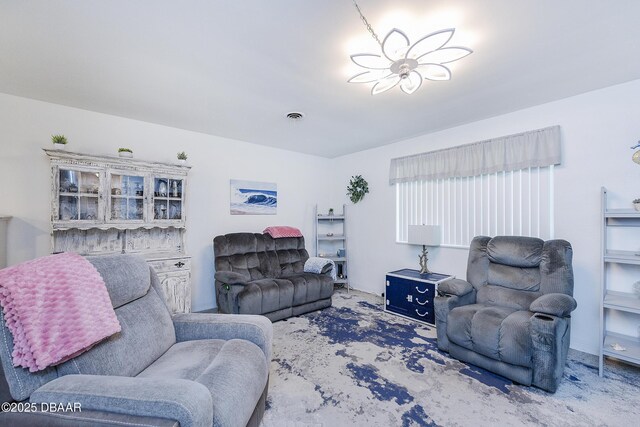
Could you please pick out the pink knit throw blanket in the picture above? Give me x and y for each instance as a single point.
(280, 231)
(56, 307)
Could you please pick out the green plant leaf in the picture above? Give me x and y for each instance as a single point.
(357, 188)
(59, 139)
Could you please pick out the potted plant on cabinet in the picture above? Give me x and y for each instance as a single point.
(125, 152)
(59, 141)
(182, 157)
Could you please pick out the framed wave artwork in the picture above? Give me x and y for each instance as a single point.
(253, 198)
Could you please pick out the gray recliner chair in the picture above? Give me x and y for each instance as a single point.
(512, 315)
(191, 370)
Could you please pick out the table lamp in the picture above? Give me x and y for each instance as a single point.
(425, 235)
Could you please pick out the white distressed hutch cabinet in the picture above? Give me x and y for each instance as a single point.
(106, 205)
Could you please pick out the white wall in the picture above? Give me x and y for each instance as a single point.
(597, 130)
(27, 126)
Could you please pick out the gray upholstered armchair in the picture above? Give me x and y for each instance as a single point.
(512, 315)
(191, 370)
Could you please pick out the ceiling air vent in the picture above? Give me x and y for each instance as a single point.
(295, 116)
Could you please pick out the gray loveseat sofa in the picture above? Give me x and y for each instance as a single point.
(191, 370)
(512, 315)
(256, 274)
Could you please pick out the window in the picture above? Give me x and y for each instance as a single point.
(500, 186)
(517, 202)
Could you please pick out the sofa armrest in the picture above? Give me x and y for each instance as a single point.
(188, 402)
(457, 287)
(443, 304)
(202, 326)
(230, 278)
(44, 415)
(550, 337)
(556, 304)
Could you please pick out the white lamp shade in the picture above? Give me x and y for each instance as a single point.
(429, 235)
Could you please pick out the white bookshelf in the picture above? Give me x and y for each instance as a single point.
(331, 235)
(616, 302)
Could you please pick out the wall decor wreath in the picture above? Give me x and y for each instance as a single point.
(357, 188)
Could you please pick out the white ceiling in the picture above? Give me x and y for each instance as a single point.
(235, 68)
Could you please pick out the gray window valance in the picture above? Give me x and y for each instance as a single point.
(536, 148)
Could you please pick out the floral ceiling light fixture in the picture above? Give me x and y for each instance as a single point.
(404, 63)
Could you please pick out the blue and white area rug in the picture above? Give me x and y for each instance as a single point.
(355, 365)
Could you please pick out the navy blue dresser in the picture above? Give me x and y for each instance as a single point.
(410, 294)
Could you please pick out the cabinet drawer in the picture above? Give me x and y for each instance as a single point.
(423, 290)
(399, 289)
(421, 314)
(407, 299)
(174, 264)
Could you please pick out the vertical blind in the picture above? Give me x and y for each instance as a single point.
(503, 203)
(502, 186)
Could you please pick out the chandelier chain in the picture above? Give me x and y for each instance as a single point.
(366, 23)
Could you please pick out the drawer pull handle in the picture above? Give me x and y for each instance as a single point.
(422, 303)
(179, 264)
(422, 292)
(421, 315)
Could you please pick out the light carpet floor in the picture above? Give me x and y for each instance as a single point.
(355, 365)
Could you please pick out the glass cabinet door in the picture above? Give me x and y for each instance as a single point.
(127, 198)
(167, 199)
(78, 198)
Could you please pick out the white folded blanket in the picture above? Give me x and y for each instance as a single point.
(318, 264)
